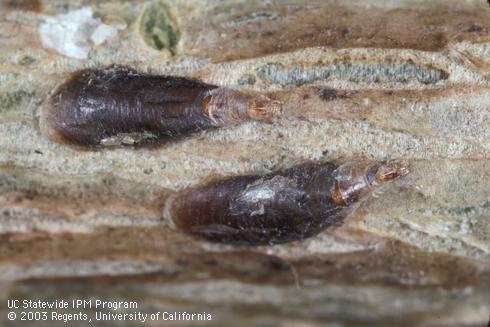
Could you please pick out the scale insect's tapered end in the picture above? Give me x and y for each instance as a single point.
(226, 107)
(264, 108)
(353, 180)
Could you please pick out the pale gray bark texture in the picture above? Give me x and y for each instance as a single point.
(394, 79)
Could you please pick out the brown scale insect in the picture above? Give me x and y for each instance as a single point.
(120, 106)
(288, 205)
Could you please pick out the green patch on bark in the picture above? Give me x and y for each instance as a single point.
(158, 28)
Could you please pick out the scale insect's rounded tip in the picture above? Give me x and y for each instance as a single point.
(354, 179)
(391, 170)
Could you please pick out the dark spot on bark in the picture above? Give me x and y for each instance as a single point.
(27, 61)
(182, 262)
(246, 80)
(267, 34)
(25, 5)
(344, 33)
(327, 94)
(211, 262)
(474, 28)
(16, 100)
(278, 264)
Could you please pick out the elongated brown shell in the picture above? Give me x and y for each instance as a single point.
(275, 208)
(280, 207)
(119, 106)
